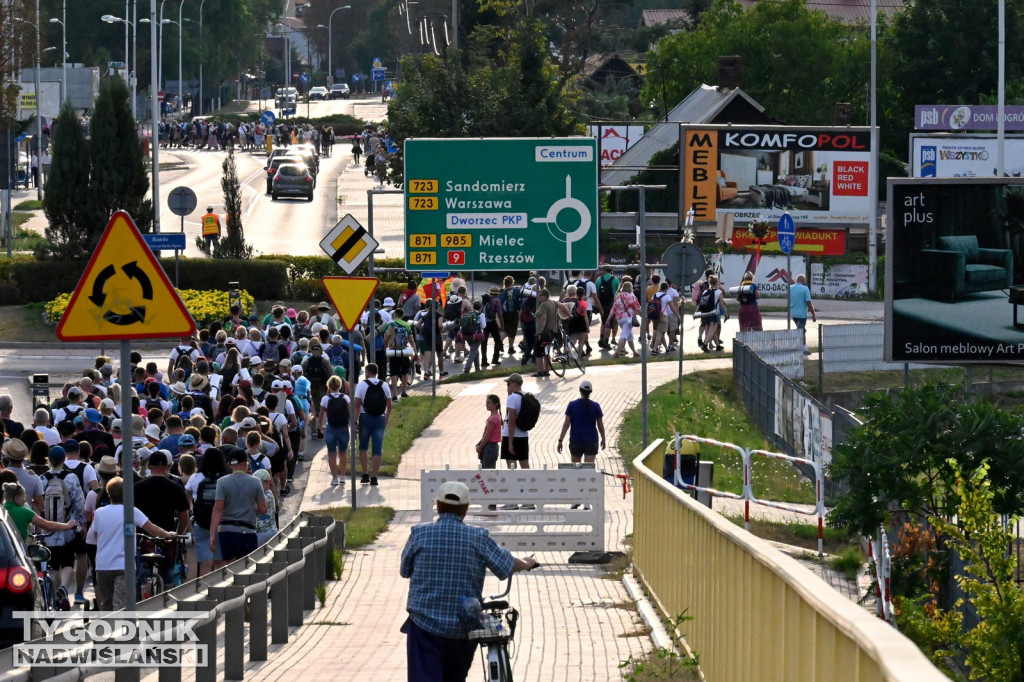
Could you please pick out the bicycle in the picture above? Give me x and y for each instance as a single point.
(153, 554)
(40, 556)
(494, 637)
(562, 353)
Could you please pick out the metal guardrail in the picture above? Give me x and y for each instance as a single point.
(757, 613)
(275, 584)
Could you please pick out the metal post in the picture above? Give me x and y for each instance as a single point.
(682, 318)
(181, 93)
(873, 166)
(789, 280)
(433, 339)
(134, 76)
(642, 279)
(128, 476)
(279, 604)
(354, 433)
(154, 115)
(39, 120)
(202, 2)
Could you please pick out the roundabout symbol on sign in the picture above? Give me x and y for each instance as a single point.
(137, 313)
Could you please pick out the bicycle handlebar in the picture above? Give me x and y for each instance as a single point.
(508, 584)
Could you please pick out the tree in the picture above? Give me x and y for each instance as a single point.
(899, 460)
(232, 244)
(797, 63)
(70, 234)
(119, 179)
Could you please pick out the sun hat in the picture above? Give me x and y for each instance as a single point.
(198, 382)
(494, 291)
(179, 388)
(453, 492)
(107, 465)
(323, 305)
(153, 431)
(290, 313)
(389, 302)
(93, 415)
(138, 426)
(15, 449)
(262, 474)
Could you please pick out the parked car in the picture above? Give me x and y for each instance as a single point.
(318, 92)
(340, 91)
(292, 179)
(19, 588)
(276, 163)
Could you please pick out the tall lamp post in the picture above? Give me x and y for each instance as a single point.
(201, 47)
(39, 104)
(160, 74)
(330, 40)
(63, 51)
(111, 19)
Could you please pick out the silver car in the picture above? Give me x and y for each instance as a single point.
(292, 179)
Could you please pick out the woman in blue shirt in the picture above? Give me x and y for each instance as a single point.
(584, 421)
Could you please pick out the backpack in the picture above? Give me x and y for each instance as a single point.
(69, 414)
(511, 299)
(605, 294)
(206, 497)
(79, 473)
(375, 402)
(154, 402)
(493, 309)
(469, 324)
(528, 310)
(654, 307)
(706, 302)
(337, 411)
(256, 463)
(400, 337)
(56, 497)
(453, 308)
(745, 297)
(270, 351)
(316, 370)
(529, 412)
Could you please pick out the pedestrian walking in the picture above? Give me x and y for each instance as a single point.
(584, 422)
(488, 446)
(445, 562)
(750, 312)
(799, 305)
(357, 149)
(334, 414)
(623, 312)
(515, 441)
(239, 502)
(373, 406)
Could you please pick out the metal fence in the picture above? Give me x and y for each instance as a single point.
(263, 594)
(854, 348)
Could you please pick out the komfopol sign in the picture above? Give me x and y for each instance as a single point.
(817, 175)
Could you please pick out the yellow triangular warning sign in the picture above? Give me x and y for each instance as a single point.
(350, 296)
(124, 294)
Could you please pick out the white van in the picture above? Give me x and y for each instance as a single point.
(286, 98)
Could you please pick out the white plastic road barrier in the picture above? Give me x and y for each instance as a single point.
(543, 510)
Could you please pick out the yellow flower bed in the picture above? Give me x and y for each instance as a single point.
(204, 306)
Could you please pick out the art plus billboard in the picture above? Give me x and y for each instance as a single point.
(818, 175)
(964, 156)
(954, 264)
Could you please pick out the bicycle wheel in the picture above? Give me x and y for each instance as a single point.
(557, 359)
(49, 594)
(579, 360)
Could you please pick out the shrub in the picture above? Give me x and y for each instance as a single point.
(316, 267)
(204, 306)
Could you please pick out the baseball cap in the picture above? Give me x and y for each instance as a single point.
(115, 425)
(516, 378)
(453, 492)
(586, 386)
(159, 458)
(75, 392)
(106, 402)
(276, 385)
(93, 415)
(56, 454)
(153, 431)
(247, 423)
(235, 455)
(71, 445)
(186, 439)
(197, 412)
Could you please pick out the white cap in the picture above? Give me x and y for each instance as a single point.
(389, 302)
(153, 431)
(276, 385)
(453, 492)
(585, 385)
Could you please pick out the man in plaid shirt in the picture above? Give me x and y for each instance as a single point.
(445, 563)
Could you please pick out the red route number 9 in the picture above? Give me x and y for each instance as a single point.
(456, 257)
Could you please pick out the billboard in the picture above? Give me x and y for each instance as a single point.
(967, 117)
(843, 280)
(614, 140)
(770, 273)
(812, 241)
(818, 175)
(964, 156)
(954, 265)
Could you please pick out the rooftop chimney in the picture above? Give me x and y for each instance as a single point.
(729, 71)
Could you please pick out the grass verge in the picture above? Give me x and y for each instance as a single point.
(850, 563)
(363, 526)
(29, 205)
(408, 420)
(710, 407)
(798, 534)
(26, 240)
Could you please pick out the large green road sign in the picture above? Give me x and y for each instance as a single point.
(501, 204)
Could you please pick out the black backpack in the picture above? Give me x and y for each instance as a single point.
(453, 308)
(529, 412)
(375, 402)
(206, 497)
(469, 324)
(654, 308)
(315, 369)
(337, 410)
(69, 415)
(605, 293)
(706, 302)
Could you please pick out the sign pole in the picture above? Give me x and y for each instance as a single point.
(642, 215)
(681, 317)
(433, 339)
(128, 475)
(789, 280)
(353, 440)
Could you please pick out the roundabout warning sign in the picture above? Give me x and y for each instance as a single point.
(124, 293)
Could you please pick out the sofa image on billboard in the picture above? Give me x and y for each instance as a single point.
(959, 266)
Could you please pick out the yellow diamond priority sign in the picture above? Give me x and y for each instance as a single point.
(350, 296)
(348, 244)
(124, 293)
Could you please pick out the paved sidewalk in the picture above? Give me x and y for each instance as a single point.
(576, 623)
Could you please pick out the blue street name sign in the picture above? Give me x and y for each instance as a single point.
(169, 241)
(787, 233)
(434, 275)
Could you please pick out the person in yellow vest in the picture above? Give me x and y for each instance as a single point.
(211, 227)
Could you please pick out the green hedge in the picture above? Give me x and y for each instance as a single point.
(301, 268)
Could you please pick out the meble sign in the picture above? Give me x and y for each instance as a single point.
(486, 204)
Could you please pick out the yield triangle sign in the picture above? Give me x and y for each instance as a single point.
(124, 294)
(350, 296)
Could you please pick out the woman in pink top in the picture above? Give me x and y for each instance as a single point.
(487, 448)
(624, 308)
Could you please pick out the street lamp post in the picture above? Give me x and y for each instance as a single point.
(201, 47)
(111, 19)
(39, 102)
(64, 50)
(330, 40)
(160, 73)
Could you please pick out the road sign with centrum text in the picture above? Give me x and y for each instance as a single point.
(501, 203)
(124, 293)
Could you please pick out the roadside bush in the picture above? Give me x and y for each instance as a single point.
(204, 306)
(315, 267)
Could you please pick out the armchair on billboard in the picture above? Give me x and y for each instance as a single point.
(818, 175)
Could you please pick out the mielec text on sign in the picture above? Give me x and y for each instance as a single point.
(486, 204)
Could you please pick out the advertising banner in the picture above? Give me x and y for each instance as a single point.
(839, 281)
(770, 274)
(801, 423)
(966, 117)
(614, 140)
(818, 175)
(814, 241)
(964, 156)
(953, 276)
